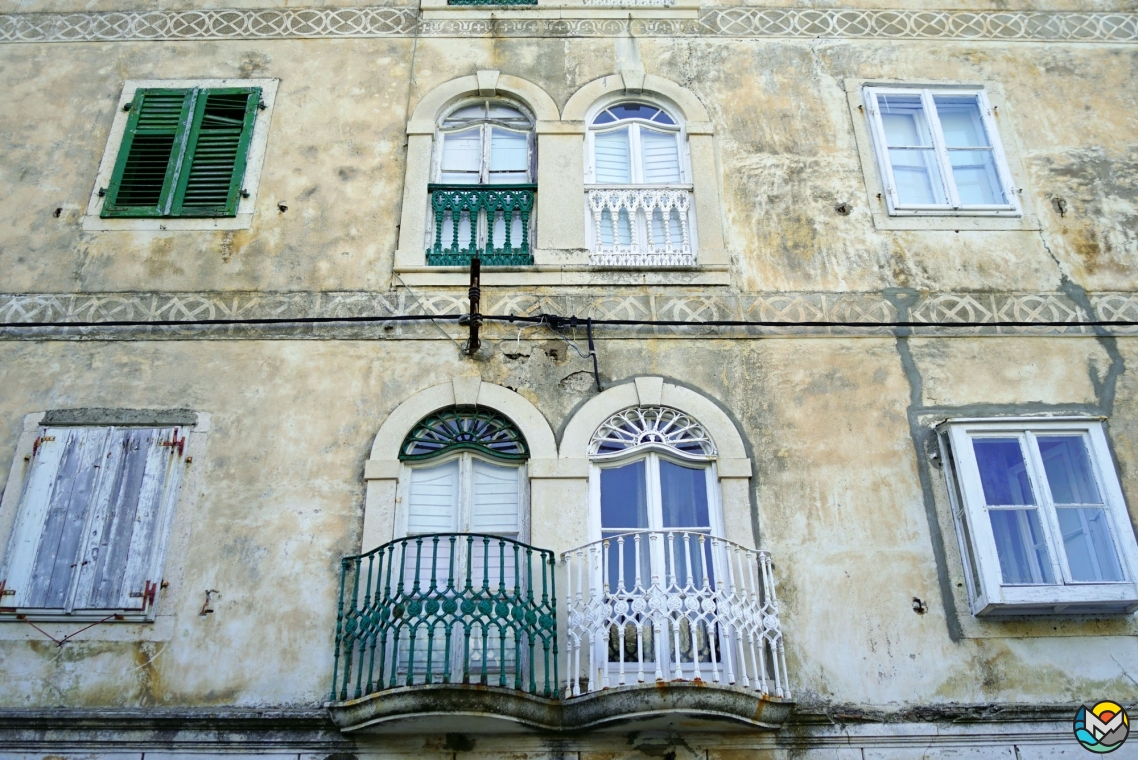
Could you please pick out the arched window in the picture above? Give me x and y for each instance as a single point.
(639, 187)
(465, 474)
(488, 144)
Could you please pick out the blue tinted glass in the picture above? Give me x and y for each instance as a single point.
(604, 117)
(1068, 470)
(1002, 471)
(623, 502)
(634, 111)
(663, 118)
(683, 493)
(1021, 546)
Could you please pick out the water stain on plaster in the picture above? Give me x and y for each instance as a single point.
(160, 260)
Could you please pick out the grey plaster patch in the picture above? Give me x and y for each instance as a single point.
(130, 417)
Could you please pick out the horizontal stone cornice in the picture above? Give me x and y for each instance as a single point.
(371, 315)
(736, 22)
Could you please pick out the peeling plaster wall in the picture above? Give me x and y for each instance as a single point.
(837, 486)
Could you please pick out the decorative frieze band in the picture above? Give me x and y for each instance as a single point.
(834, 23)
(867, 313)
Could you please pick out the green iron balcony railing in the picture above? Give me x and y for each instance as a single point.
(447, 608)
(490, 222)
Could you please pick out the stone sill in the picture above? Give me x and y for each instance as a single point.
(557, 9)
(426, 276)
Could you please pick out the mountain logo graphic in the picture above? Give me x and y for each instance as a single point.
(1102, 728)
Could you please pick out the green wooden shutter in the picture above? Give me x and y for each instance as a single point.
(218, 146)
(183, 153)
(150, 153)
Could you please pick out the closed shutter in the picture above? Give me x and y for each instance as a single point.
(432, 504)
(139, 472)
(88, 520)
(661, 157)
(462, 157)
(183, 153)
(494, 502)
(217, 154)
(612, 158)
(151, 153)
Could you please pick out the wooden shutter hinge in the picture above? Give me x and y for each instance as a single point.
(148, 594)
(38, 441)
(5, 591)
(176, 443)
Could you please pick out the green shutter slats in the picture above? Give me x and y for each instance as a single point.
(218, 161)
(183, 153)
(149, 152)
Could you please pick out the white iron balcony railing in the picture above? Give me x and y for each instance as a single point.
(672, 605)
(641, 226)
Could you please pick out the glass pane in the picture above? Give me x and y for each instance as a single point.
(903, 117)
(917, 177)
(960, 121)
(505, 112)
(683, 494)
(612, 157)
(494, 502)
(634, 111)
(1021, 546)
(604, 117)
(663, 118)
(509, 157)
(1090, 552)
(462, 157)
(661, 157)
(977, 182)
(1002, 471)
(623, 500)
(1068, 470)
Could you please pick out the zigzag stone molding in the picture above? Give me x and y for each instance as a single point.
(284, 23)
(871, 313)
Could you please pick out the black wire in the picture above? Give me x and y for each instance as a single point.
(555, 322)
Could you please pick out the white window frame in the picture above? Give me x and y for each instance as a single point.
(465, 479)
(988, 594)
(636, 159)
(254, 161)
(19, 510)
(954, 206)
(484, 136)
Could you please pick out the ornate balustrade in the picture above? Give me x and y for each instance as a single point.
(491, 222)
(672, 606)
(446, 609)
(641, 226)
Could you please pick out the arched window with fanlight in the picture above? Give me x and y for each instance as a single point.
(483, 185)
(638, 187)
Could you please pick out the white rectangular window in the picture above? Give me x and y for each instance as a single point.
(1041, 518)
(91, 521)
(938, 151)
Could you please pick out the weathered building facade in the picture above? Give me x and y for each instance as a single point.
(835, 458)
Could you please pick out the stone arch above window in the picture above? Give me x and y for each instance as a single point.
(690, 107)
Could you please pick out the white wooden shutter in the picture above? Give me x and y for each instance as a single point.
(432, 500)
(494, 499)
(34, 501)
(613, 165)
(661, 157)
(462, 157)
(140, 475)
(509, 157)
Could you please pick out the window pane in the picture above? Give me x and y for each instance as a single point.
(634, 111)
(612, 157)
(960, 121)
(504, 112)
(977, 182)
(1068, 470)
(494, 499)
(1021, 546)
(604, 117)
(661, 157)
(683, 494)
(623, 502)
(509, 157)
(917, 177)
(432, 504)
(1002, 471)
(903, 117)
(462, 157)
(1090, 552)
